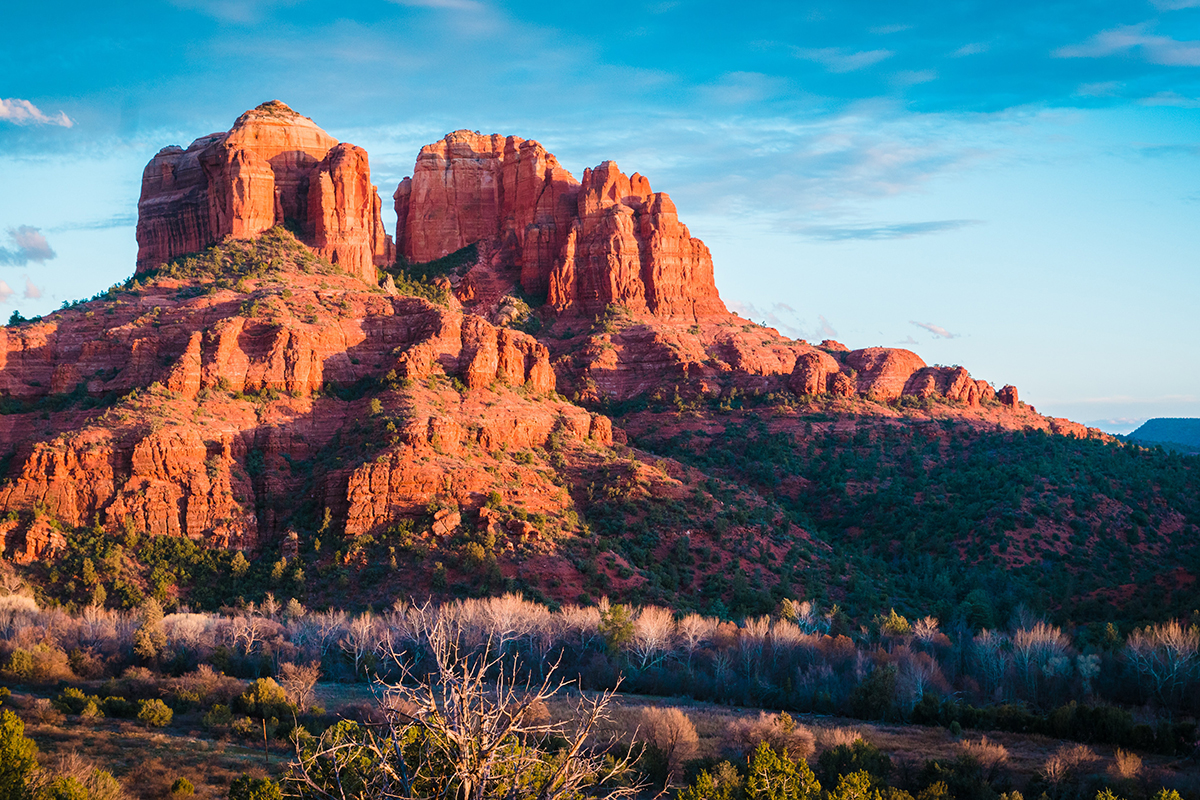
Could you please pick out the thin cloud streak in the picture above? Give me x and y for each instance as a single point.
(448, 5)
(936, 330)
(115, 221)
(902, 230)
(23, 112)
(1156, 49)
(837, 60)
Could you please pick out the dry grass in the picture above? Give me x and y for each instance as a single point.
(1125, 766)
(145, 762)
(1066, 761)
(836, 736)
(744, 734)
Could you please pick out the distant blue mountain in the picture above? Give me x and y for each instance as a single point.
(1182, 432)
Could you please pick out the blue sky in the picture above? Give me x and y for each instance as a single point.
(1014, 187)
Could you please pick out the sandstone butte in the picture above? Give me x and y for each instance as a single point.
(274, 167)
(183, 405)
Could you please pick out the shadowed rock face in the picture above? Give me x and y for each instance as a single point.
(274, 167)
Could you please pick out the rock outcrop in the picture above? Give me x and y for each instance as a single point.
(469, 188)
(882, 372)
(274, 167)
(608, 240)
(627, 247)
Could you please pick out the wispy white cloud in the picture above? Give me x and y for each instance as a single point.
(31, 245)
(1172, 99)
(32, 291)
(785, 319)
(971, 49)
(936, 330)
(884, 30)
(6, 292)
(1160, 150)
(837, 59)
(1154, 48)
(115, 221)
(449, 5)
(899, 230)
(1175, 5)
(23, 112)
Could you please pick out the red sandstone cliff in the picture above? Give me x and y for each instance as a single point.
(608, 240)
(470, 188)
(274, 167)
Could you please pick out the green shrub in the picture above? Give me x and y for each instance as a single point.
(70, 700)
(119, 707)
(247, 788)
(63, 788)
(263, 699)
(155, 713)
(772, 776)
(217, 716)
(182, 787)
(860, 756)
(18, 757)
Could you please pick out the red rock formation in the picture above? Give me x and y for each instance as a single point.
(950, 383)
(1008, 397)
(469, 188)
(627, 247)
(883, 371)
(811, 373)
(274, 167)
(609, 239)
(343, 213)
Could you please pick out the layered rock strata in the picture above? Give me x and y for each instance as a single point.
(274, 167)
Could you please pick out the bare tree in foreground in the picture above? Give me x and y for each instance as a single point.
(468, 730)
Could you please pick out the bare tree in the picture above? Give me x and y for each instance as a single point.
(926, 630)
(298, 682)
(247, 633)
(360, 640)
(1165, 657)
(653, 635)
(467, 731)
(752, 638)
(695, 630)
(672, 734)
(988, 650)
(1040, 652)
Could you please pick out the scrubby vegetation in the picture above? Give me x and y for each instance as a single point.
(941, 518)
(249, 674)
